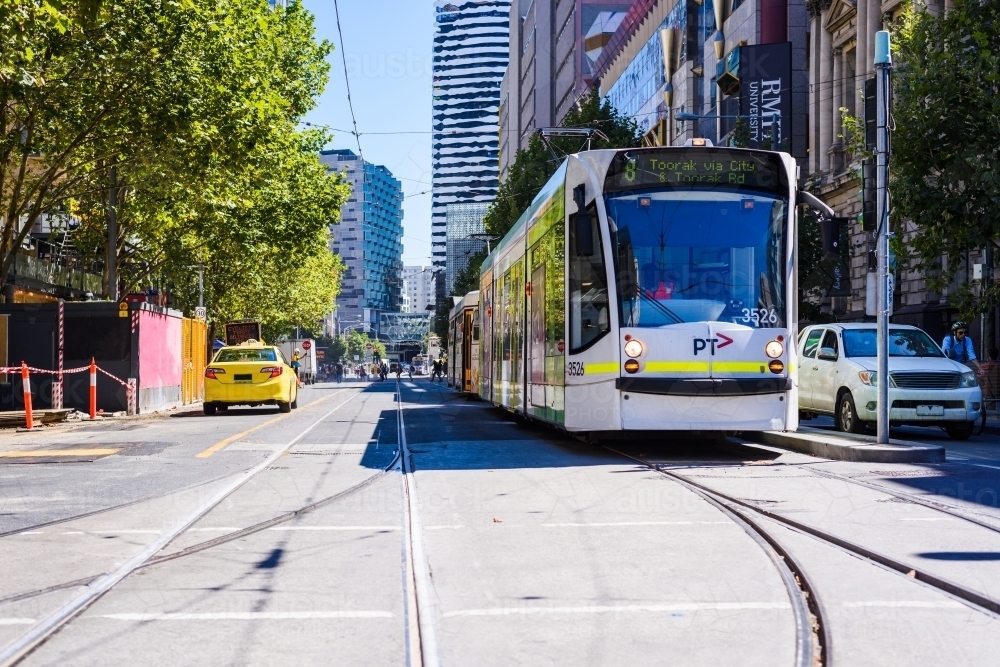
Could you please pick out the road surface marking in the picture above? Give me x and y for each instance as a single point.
(907, 604)
(58, 452)
(336, 528)
(635, 523)
(611, 609)
(248, 616)
(17, 621)
(222, 444)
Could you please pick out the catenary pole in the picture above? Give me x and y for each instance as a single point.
(883, 68)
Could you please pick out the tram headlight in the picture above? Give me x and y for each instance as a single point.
(633, 348)
(774, 349)
(631, 366)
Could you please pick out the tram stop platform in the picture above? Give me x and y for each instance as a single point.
(848, 447)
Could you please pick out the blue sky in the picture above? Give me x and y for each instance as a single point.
(388, 45)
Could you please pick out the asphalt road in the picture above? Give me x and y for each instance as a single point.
(257, 538)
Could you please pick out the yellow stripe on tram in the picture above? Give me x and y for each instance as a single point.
(677, 367)
(600, 367)
(739, 367)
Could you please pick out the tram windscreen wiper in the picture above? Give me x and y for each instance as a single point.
(659, 306)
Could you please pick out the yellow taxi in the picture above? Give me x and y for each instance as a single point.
(251, 373)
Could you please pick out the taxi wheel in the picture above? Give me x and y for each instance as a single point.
(209, 408)
(284, 407)
(295, 401)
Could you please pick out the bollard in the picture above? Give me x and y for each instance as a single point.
(26, 385)
(93, 389)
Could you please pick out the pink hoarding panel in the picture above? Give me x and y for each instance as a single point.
(159, 350)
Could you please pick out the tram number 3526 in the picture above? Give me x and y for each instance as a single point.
(760, 316)
(574, 368)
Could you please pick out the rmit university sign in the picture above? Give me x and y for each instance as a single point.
(766, 94)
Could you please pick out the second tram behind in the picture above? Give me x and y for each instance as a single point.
(647, 289)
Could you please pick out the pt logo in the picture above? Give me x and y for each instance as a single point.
(713, 343)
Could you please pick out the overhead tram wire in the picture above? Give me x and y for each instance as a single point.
(347, 82)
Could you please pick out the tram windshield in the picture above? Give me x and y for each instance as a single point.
(699, 255)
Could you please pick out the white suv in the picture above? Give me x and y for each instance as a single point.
(837, 376)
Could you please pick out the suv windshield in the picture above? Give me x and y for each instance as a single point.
(902, 343)
(699, 255)
(248, 354)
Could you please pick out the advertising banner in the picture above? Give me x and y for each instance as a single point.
(766, 94)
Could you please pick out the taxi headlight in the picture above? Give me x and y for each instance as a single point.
(969, 380)
(774, 349)
(633, 348)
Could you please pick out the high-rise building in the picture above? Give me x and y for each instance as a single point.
(554, 45)
(470, 56)
(369, 240)
(464, 221)
(420, 283)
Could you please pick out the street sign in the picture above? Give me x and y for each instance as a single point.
(123, 309)
(200, 313)
(237, 332)
(306, 344)
(320, 354)
(356, 357)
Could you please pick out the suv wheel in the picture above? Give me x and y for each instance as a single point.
(960, 431)
(847, 415)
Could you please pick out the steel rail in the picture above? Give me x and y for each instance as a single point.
(966, 596)
(813, 643)
(37, 635)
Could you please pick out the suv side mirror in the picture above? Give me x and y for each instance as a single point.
(827, 354)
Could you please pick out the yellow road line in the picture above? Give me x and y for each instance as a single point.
(222, 444)
(59, 452)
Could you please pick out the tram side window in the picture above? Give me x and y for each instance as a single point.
(589, 316)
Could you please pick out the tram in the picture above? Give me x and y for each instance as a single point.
(648, 289)
(463, 344)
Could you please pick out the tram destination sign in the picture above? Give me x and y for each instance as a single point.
(687, 167)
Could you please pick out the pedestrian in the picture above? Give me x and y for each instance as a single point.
(437, 371)
(338, 371)
(399, 371)
(958, 346)
(409, 371)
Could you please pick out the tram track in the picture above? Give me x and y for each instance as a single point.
(813, 643)
(970, 598)
(99, 585)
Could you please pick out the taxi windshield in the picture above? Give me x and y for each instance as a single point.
(248, 354)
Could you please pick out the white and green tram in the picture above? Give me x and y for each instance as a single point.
(648, 289)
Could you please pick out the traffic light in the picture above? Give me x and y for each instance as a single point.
(871, 119)
(869, 215)
(830, 232)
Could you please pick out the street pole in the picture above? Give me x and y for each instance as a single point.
(201, 285)
(113, 237)
(883, 67)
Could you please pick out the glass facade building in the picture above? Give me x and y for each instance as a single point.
(463, 220)
(471, 40)
(368, 239)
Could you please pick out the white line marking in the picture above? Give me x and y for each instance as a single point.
(73, 532)
(225, 529)
(611, 609)
(636, 523)
(335, 528)
(443, 527)
(125, 532)
(906, 604)
(426, 644)
(32, 532)
(13, 653)
(248, 616)
(983, 465)
(17, 621)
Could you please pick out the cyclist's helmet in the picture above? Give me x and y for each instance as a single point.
(958, 325)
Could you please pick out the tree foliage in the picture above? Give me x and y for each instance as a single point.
(191, 109)
(534, 165)
(946, 145)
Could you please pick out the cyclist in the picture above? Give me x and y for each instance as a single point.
(958, 346)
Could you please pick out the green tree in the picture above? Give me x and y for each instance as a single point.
(534, 165)
(946, 163)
